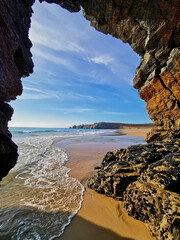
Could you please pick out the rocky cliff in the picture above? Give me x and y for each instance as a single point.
(152, 28)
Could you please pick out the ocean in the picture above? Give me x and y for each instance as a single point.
(38, 199)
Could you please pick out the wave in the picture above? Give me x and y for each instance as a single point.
(27, 132)
(35, 131)
(41, 198)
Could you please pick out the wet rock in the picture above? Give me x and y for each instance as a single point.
(147, 178)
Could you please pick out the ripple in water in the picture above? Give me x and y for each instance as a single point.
(38, 198)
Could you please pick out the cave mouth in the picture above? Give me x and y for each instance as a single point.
(79, 73)
(152, 30)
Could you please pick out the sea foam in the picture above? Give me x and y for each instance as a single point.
(38, 199)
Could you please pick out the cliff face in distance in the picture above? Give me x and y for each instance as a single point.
(109, 125)
(152, 28)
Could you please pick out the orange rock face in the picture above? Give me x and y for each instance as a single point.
(163, 98)
(152, 28)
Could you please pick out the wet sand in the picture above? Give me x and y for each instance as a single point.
(100, 218)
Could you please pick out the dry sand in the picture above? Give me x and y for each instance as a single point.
(136, 132)
(100, 218)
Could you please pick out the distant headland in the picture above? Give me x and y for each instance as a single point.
(110, 125)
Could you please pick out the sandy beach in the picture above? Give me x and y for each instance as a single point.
(136, 132)
(100, 217)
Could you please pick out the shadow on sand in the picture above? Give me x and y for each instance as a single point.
(81, 229)
(27, 223)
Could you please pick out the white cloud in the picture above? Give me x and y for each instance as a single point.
(103, 59)
(64, 39)
(34, 93)
(28, 96)
(85, 110)
(54, 59)
(114, 113)
(73, 110)
(37, 94)
(61, 39)
(32, 89)
(120, 70)
(69, 95)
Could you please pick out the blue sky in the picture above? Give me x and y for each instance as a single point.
(80, 74)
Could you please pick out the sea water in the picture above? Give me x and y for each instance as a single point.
(38, 199)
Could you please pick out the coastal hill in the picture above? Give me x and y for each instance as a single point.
(110, 125)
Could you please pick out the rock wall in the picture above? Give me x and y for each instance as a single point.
(8, 149)
(15, 55)
(15, 62)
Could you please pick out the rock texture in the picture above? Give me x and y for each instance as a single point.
(8, 150)
(15, 62)
(15, 56)
(8, 155)
(70, 5)
(147, 178)
(156, 197)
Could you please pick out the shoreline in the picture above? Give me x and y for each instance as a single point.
(100, 217)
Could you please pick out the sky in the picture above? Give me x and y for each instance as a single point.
(80, 75)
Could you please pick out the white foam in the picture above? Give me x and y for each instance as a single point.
(41, 184)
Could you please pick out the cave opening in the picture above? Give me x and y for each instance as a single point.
(80, 75)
